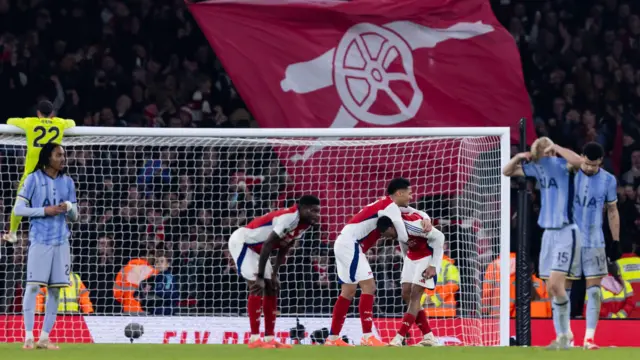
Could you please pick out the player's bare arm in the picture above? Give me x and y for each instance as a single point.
(571, 156)
(614, 227)
(265, 253)
(280, 259)
(514, 166)
(436, 241)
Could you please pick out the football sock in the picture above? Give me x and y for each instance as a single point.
(366, 313)
(269, 309)
(423, 323)
(29, 307)
(407, 321)
(340, 310)
(254, 308)
(561, 314)
(50, 311)
(594, 301)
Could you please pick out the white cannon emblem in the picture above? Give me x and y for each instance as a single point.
(358, 66)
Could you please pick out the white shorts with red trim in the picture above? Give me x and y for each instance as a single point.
(351, 263)
(413, 270)
(246, 259)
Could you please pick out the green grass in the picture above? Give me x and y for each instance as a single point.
(186, 352)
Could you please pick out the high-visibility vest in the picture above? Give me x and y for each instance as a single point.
(491, 285)
(441, 302)
(615, 306)
(629, 265)
(73, 298)
(540, 308)
(127, 282)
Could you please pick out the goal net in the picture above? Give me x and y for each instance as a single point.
(185, 191)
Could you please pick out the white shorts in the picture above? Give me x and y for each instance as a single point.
(351, 263)
(594, 262)
(246, 259)
(412, 272)
(561, 252)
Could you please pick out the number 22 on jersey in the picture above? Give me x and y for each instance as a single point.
(44, 136)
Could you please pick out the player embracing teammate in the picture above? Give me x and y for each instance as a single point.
(381, 219)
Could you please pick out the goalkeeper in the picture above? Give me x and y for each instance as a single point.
(46, 128)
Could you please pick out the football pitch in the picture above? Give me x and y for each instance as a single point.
(186, 352)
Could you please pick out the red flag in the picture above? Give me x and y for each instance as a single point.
(370, 63)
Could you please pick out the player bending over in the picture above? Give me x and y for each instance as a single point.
(561, 240)
(251, 246)
(39, 130)
(420, 269)
(359, 235)
(595, 189)
(46, 197)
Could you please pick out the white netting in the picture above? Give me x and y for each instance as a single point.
(186, 195)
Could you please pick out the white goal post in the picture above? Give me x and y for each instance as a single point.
(184, 190)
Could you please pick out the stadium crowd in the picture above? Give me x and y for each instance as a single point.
(145, 63)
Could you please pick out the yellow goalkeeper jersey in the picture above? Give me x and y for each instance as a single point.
(40, 131)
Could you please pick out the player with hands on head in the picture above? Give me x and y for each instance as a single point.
(561, 240)
(360, 234)
(252, 245)
(595, 190)
(421, 266)
(48, 198)
(40, 130)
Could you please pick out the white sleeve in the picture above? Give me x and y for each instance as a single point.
(23, 208)
(410, 210)
(284, 224)
(393, 212)
(436, 241)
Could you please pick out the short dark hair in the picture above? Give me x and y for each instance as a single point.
(45, 107)
(397, 184)
(593, 151)
(384, 222)
(626, 247)
(45, 156)
(308, 200)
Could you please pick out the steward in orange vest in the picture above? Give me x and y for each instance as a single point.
(127, 282)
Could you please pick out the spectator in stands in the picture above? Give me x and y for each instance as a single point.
(100, 271)
(632, 177)
(159, 294)
(74, 299)
(128, 281)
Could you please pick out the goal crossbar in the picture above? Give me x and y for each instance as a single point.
(276, 132)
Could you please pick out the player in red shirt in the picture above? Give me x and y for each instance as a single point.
(376, 220)
(251, 246)
(423, 257)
